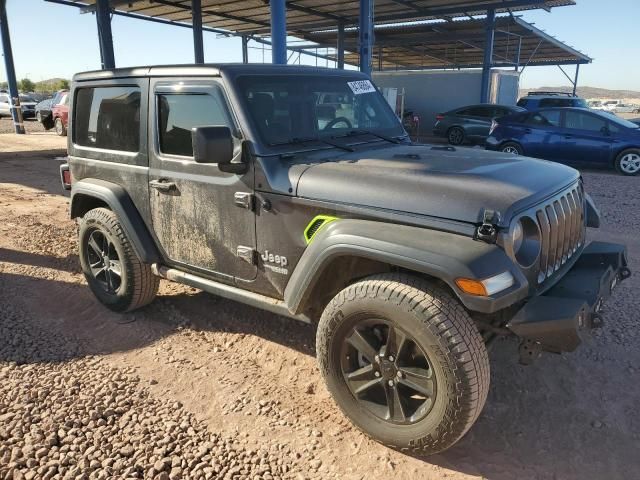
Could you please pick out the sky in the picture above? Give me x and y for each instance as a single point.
(52, 40)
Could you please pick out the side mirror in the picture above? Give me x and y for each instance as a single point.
(214, 144)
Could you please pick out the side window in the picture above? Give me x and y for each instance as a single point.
(556, 102)
(108, 117)
(545, 119)
(464, 112)
(485, 112)
(584, 121)
(613, 128)
(552, 117)
(179, 113)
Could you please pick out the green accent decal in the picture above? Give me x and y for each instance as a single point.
(315, 225)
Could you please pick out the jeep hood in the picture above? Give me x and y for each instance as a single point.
(456, 184)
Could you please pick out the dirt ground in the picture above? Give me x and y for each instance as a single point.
(195, 385)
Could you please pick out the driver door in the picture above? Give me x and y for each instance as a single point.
(195, 211)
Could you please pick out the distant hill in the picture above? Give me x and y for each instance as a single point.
(51, 85)
(587, 92)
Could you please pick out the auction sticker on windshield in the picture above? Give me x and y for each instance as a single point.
(361, 86)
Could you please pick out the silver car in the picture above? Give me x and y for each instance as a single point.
(27, 103)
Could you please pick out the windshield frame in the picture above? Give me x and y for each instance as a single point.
(240, 97)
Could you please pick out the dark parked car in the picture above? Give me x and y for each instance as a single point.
(43, 109)
(409, 258)
(537, 100)
(470, 123)
(570, 135)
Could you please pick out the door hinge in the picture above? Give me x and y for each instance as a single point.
(244, 200)
(247, 254)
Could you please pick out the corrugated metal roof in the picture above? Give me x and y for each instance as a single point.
(457, 44)
(253, 16)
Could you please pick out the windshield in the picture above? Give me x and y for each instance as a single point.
(581, 103)
(26, 98)
(288, 108)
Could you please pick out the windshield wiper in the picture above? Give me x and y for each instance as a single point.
(295, 140)
(353, 133)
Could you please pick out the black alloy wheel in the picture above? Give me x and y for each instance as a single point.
(387, 372)
(104, 262)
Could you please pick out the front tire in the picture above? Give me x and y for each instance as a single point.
(404, 361)
(115, 274)
(628, 162)
(61, 130)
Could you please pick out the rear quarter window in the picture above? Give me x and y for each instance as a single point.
(108, 118)
(522, 102)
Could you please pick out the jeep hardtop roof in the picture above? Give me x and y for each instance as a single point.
(211, 69)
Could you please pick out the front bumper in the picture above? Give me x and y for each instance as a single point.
(557, 320)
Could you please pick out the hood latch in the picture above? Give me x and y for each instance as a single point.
(488, 232)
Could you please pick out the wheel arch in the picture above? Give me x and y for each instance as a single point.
(88, 194)
(347, 250)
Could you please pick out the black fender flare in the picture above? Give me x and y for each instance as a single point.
(445, 256)
(121, 204)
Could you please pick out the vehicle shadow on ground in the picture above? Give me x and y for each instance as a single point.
(55, 312)
(26, 169)
(70, 263)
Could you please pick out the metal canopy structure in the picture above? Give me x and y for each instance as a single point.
(456, 44)
(254, 16)
(256, 19)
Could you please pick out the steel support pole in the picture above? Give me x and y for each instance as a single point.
(488, 55)
(103, 18)
(575, 80)
(366, 35)
(16, 112)
(278, 31)
(196, 25)
(245, 49)
(340, 46)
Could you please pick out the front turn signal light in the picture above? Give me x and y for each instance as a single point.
(488, 286)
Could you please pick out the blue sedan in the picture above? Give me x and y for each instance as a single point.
(576, 136)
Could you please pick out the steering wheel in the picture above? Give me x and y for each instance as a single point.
(336, 121)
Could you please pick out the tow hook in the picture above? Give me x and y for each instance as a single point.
(487, 232)
(529, 351)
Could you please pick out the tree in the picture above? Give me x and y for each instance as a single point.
(27, 85)
(63, 84)
(4, 85)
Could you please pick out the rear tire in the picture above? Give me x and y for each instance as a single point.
(628, 162)
(456, 136)
(61, 130)
(115, 274)
(442, 362)
(512, 148)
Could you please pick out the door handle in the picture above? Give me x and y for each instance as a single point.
(162, 185)
(568, 137)
(527, 130)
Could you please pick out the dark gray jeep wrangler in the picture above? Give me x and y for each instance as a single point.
(296, 190)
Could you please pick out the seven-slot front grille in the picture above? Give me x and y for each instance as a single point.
(562, 230)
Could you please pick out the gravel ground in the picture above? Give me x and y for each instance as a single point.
(195, 386)
(30, 125)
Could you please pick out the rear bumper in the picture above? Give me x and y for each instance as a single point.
(558, 319)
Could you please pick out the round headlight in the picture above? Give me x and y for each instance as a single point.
(525, 239)
(517, 236)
